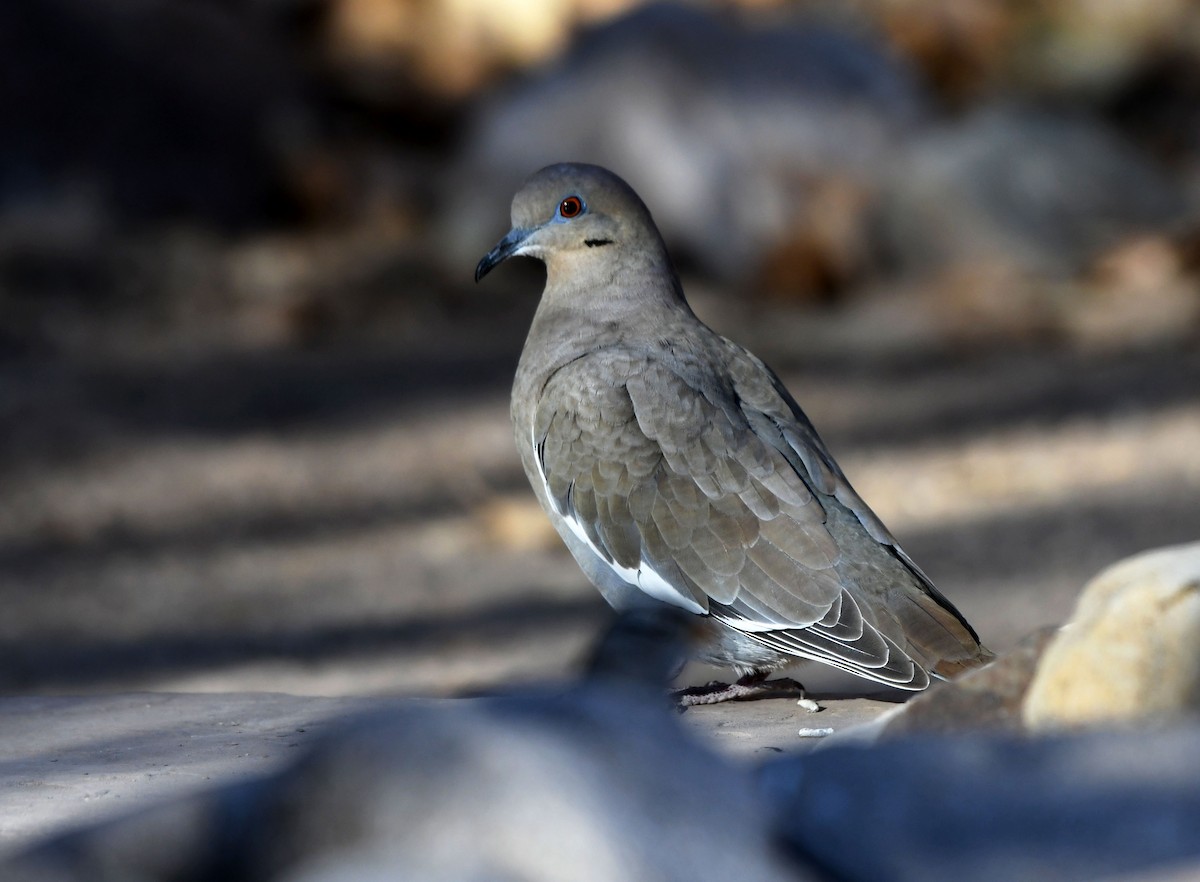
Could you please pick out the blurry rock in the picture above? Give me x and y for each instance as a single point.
(1129, 652)
(536, 791)
(153, 108)
(731, 133)
(1009, 186)
(988, 698)
(936, 809)
(1010, 224)
(597, 782)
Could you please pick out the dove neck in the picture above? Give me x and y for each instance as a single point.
(628, 289)
(562, 332)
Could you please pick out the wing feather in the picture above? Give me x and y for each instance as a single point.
(725, 497)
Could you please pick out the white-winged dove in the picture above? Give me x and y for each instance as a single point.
(678, 469)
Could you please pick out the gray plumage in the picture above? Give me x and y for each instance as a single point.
(678, 469)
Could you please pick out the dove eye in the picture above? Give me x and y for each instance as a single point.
(570, 207)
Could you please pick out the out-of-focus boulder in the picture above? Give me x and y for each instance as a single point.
(1129, 652)
(1021, 188)
(747, 141)
(1015, 224)
(1095, 805)
(597, 782)
(597, 785)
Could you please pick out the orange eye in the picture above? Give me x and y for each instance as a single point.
(570, 207)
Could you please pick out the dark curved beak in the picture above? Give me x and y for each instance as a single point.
(504, 249)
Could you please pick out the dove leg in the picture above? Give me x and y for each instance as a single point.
(747, 688)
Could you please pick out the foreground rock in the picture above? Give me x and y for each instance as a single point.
(1100, 805)
(1128, 655)
(593, 783)
(1130, 650)
(67, 761)
(590, 784)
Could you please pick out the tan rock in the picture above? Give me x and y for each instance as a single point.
(988, 698)
(1132, 648)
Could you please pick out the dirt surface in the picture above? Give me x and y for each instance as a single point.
(352, 519)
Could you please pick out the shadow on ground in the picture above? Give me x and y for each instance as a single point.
(400, 568)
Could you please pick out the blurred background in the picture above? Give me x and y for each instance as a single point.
(253, 411)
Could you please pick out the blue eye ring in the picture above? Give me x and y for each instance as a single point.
(570, 207)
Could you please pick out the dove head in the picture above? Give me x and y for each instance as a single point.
(579, 220)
